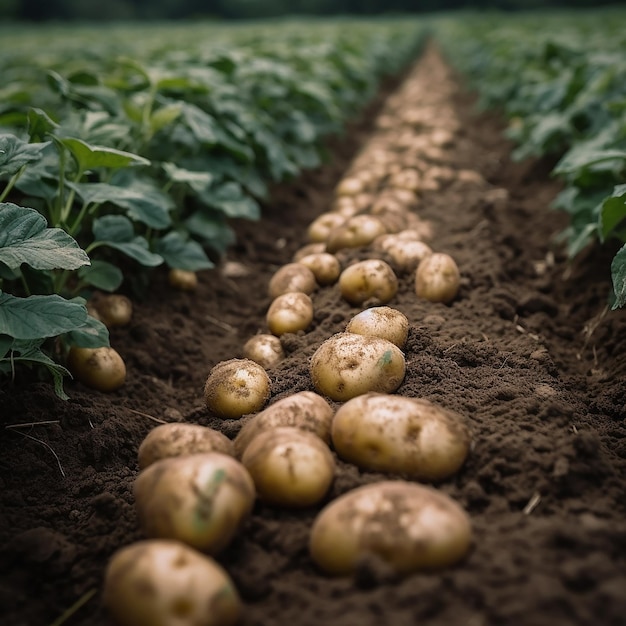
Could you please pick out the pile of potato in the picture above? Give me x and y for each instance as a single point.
(196, 487)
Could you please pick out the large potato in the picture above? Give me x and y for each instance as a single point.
(347, 365)
(409, 526)
(199, 499)
(166, 583)
(305, 410)
(369, 279)
(236, 387)
(290, 466)
(178, 439)
(383, 322)
(409, 436)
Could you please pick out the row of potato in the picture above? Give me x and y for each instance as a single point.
(196, 487)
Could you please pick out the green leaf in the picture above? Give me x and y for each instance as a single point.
(618, 273)
(164, 116)
(39, 124)
(182, 253)
(212, 229)
(92, 334)
(15, 153)
(198, 181)
(89, 156)
(231, 199)
(37, 317)
(25, 238)
(102, 275)
(613, 211)
(581, 157)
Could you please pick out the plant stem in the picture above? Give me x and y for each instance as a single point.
(12, 182)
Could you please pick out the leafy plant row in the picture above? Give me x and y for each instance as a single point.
(561, 78)
(125, 149)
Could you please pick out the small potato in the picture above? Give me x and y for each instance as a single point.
(325, 267)
(305, 410)
(183, 280)
(102, 369)
(405, 256)
(309, 248)
(166, 583)
(292, 277)
(356, 231)
(289, 313)
(200, 499)
(170, 440)
(236, 387)
(407, 179)
(264, 349)
(289, 466)
(437, 278)
(320, 227)
(410, 526)
(383, 322)
(410, 436)
(347, 365)
(370, 279)
(114, 310)
(350, 186)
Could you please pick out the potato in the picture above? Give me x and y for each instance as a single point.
(178, 439)
(383, 322)
(356, 231)
(305, 410)
(325, 267)
(409, 526)
(437, 278)
(184, 280)
(264, 349)
(320, 227)
(292, 277)
(166, 583)
(408, 178)
(410, 436)
(289, 313)
(114, 310)
(289, 466)
(236, 387)
(102, 369)
(309, 248)
(371, 279)
(347, 365)
(349, 186)
(405, 256)
(200, 499)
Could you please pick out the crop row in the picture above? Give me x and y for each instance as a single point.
(561, 79)
(124, 150)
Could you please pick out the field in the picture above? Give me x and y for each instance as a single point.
(531, 350)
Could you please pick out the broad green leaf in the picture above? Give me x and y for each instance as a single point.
(182, 253)
(39, 124)
(613, 211)
(89, 156)
(92, 334)
(164, 116)
(25, 238)
(5, 344)
(211, 229)
(231, 199)
(15, 153)
(37, 317)
(618, 273)
(102, 275)
(198, 181)
(577, 159)
(582, 239)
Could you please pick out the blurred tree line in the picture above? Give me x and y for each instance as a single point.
(43, 10)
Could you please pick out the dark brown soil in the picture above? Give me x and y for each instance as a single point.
(527, 351)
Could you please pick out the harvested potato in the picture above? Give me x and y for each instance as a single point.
(114, 310)
(410, 526)
(309, 248)
(347, 365)
(405, 256)
(383, 322)
(349, 186)
(236, 387)
(370, 279)
(289, 466)
(200, 499)
(356, 231)
(325, 267)
(320, 227)
(102, 369)
(289, 313)
(184, 280)
(166, 583)
(292, 277)
(305, 410)
(437, 278)
(264, 349)
(178, 439)
(410, 436)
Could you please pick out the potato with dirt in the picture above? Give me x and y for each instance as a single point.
(411, 527)
(289, 313)
(371, 279)
(291, 277)
(200, 499)
(162, 582)
(396, 434)
(114, 309)
(347, 365)
(264, 349)
(102, 369)
(437, 278)
(381, 321)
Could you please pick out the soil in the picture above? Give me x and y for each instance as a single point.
(528, 351)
